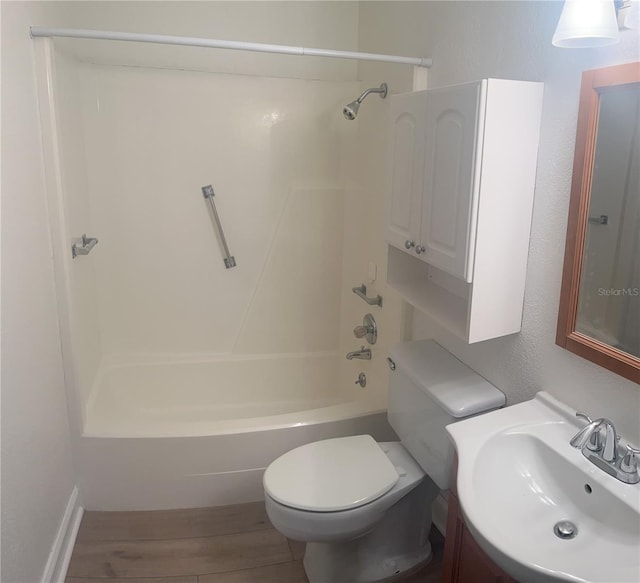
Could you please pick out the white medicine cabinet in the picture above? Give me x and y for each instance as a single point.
(460, 197)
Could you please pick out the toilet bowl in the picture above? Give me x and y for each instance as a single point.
(362, 499)
(362, 507)
(358, 511)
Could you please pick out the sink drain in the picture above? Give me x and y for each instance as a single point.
(565, 529)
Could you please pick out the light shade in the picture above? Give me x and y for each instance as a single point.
(586, 23)
(632, 19)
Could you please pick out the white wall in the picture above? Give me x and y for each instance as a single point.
(37, 470)
(474, 40)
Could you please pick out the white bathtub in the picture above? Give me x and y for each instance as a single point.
(200, 432)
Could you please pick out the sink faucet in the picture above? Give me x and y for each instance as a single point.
(604, 452)
(362, 354)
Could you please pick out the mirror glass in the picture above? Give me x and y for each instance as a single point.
(608, 307)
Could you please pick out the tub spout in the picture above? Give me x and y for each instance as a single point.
(362, 354)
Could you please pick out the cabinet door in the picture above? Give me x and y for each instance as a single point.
(406, 142)
(464, 561)
(448, 218)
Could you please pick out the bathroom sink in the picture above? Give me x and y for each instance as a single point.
(518, 478)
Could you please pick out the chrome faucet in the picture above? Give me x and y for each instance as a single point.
(603, 451)
(362, 354)
(593, 434)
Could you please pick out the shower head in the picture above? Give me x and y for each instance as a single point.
(350, 111)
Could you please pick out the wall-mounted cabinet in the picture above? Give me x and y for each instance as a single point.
(460, 197)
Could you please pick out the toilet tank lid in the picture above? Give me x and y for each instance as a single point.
(459, 390)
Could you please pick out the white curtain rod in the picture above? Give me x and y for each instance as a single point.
(43, 31)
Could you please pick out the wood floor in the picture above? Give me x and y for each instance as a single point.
(226, 544)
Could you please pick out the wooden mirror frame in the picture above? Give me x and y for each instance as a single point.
(594, 83)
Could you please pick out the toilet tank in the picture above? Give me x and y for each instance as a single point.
(429, 389)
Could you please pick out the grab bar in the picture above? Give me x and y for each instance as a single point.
(229, 260)
(361, 292)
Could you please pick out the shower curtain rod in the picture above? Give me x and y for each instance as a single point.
(44, 31)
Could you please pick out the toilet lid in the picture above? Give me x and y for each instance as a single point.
(331, 475)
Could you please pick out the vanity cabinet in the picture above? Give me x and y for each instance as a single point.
(460, 197)
(464, 560)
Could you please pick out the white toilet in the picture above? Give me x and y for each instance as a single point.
(364, 508)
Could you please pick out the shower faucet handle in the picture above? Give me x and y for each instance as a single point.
(368, 330)
(360, 331)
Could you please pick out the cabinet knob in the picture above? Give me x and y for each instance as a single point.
(420, 249)
(408, 244)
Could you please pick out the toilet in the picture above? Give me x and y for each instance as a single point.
(363, 507)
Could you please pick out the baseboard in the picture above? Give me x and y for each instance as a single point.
(55, 570)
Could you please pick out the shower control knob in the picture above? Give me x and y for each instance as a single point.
(360, 331)
(368, 330)
(408, 244)
(420, 249)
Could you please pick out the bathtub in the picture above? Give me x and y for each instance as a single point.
(187, 433)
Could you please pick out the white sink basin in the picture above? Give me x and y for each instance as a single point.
(518, 476)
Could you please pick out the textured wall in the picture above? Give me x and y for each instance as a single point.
(473, 40)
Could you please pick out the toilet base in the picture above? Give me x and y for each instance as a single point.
(324, 565)
(397, 545)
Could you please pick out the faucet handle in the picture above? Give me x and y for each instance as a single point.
(629, 463)
(595, 438)
(578, 440)
(360, 331)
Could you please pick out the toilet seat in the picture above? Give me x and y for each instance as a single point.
(331, 475)
(345, 525)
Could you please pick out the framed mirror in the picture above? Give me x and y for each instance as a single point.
(599, 315)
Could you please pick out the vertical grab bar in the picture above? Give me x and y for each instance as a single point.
(229, 260)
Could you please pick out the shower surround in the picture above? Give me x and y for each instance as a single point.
(167, 352)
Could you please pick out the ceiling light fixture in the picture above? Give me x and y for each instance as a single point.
(586, 24)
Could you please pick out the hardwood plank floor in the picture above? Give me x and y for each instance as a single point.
(291, 572)
(229, 544)
(171, 524)
(173, 557)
